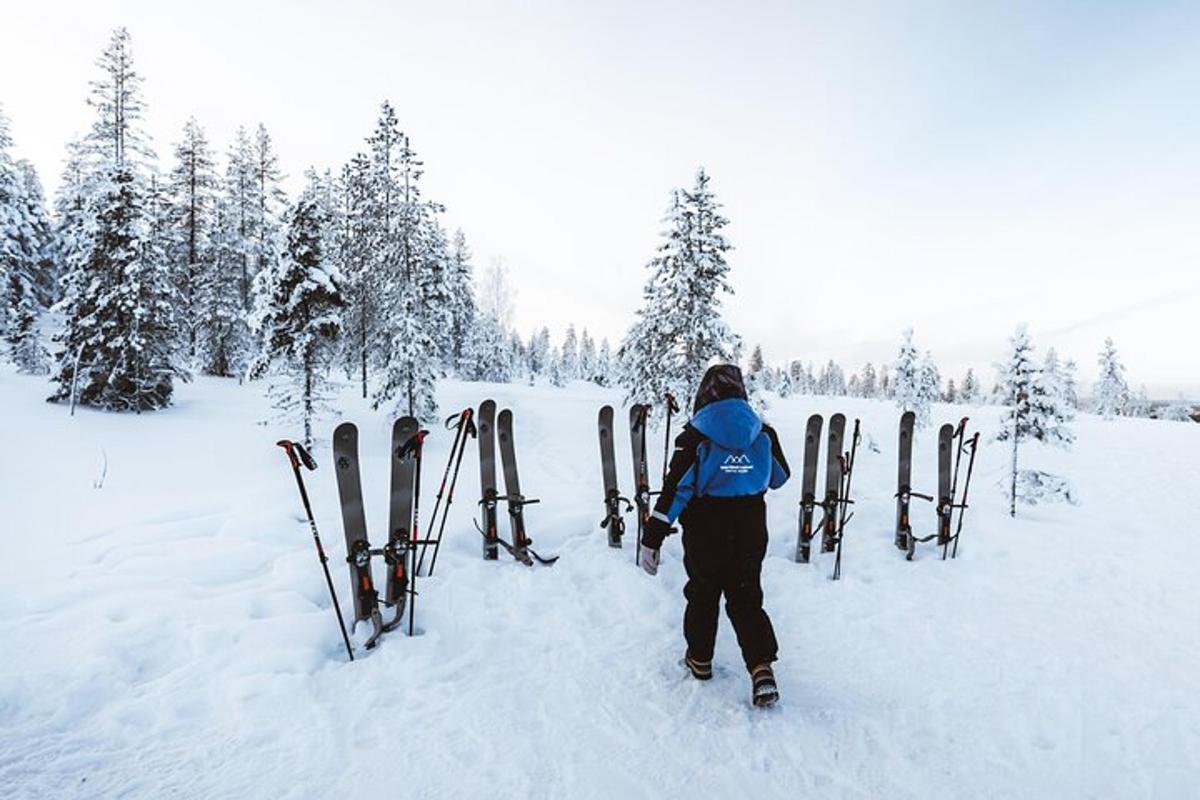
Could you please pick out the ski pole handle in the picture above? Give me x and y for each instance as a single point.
(297, 454)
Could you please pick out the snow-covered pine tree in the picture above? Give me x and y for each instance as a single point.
(362, 289)
(679, 329)
(970, 393)
(869, 382)
(269, 202)
(756, 364)
(21, 326)
(224, 341)
(587, 357)
(569, 355)
(854, 386)
(1139, 404)
(886, 390)
(461, 282)
(909, 381)
(1037, 411)
(120, 331)
(192, 189)
(604, 366)
(411, 257)
(1112, 392)
(303, 315)
(931, 378)
(538, 352)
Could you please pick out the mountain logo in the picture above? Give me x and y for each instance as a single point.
(737, 464)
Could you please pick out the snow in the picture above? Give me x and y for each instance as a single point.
(169, 634)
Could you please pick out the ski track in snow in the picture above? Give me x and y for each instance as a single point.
(170, 634)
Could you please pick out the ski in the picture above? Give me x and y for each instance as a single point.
(639, 414)
(614, 521)
(904, 481)
(354, 522)
(400, 517)
(947, 436)
(520, 546)
(487, 479)
(808, 487)
(833, 483)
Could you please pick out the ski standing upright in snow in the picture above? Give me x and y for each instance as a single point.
(516, 501)
(487, 480)
(354, 522)
(833, 483)
(614, 521)
(639, 414)
(808, 487)
(401, 537)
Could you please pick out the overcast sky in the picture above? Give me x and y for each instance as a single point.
(958, 167)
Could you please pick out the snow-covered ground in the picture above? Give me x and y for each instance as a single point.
(169, 634)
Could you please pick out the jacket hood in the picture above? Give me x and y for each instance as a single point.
(731, 423)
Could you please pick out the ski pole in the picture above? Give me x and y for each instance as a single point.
(966, 488)
(445, 475)
(672, 408)
(297, 455)
(848, 466)
(470, 431)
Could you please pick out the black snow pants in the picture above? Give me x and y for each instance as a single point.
(724, 543)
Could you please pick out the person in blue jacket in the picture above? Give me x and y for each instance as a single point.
(725, 459)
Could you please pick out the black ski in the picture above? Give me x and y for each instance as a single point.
(614, 521)
(945, 496)
(833, 482)
(639, 414)
(808, 487)
(400, 516)
(487, 479)
(904, 481)
(354, 522)
(520, 546)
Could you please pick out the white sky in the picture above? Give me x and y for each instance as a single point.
(951, 166)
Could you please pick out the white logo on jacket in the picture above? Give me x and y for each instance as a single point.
(737, 464)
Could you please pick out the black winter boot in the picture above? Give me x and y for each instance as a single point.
(764, 692)
(701, 670)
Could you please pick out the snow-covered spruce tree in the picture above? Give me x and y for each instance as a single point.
(21, 326)
(224, 342)
(604, 366)
(1111, 392)
(951, 395)
(411, 259)
(908, 381)
(120, 337)
(303, 316)
(679, 330)
(461, 282)
(26, 246)
(1139, 404)
(192, 187)
(569, 355)
(1037, 411)
(119, 333)
(357, 235)
(886, 389)
(587, 356)
(970, 393)
(931, 379)
(488, 356)
(538, 352)
(868, 384)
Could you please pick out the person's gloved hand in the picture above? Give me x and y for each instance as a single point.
(655, 532)
(648, 559)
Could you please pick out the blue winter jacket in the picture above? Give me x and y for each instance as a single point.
(724, 451)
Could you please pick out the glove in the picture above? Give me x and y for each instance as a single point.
(656, 530)
(648, 559)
